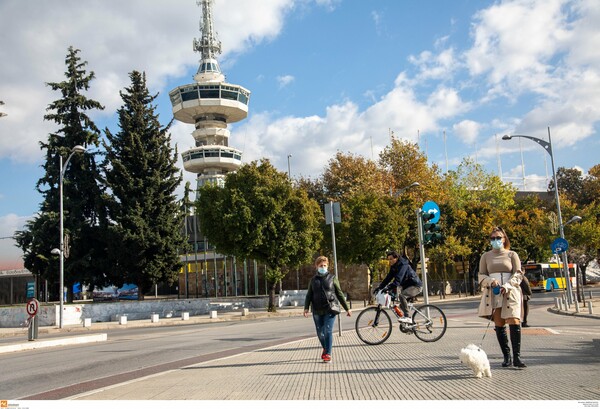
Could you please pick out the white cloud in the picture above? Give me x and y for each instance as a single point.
(467, 131)
(10, 255)
(285, 80)
(547, 50)
(435, 66)
(515, 42)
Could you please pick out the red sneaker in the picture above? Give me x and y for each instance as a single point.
(323, 354)
(326, 358)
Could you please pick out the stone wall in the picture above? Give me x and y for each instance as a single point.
(74, 314)
(354, 280)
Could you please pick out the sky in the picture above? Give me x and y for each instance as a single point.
(324, 75)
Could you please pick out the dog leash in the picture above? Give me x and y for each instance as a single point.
(487, 328)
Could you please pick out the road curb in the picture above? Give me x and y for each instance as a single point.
(554, 310)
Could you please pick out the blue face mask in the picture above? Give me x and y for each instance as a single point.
(322, 270)
(496, 244)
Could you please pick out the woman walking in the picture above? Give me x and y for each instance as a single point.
(500, 277)
(325, 296)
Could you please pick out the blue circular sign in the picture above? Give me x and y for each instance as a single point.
(559, 245)
(432, 208)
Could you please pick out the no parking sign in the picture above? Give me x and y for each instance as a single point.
(33, 306)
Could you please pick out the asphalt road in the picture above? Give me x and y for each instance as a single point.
(139, 352)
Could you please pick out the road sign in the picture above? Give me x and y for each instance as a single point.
(337, 213)
(432, 208)
(559, 245)
(32, 307)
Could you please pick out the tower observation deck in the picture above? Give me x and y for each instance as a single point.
(210, 104)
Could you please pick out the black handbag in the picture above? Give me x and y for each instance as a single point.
(334, 307)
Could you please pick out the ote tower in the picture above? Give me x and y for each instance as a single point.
(210, 104)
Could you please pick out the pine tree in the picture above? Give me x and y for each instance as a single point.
(83, 213)
(141, 173)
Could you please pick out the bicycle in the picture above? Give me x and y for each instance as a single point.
(374, 325)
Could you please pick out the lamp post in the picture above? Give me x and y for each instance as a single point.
(404, 189)
(289, 168)
(61, 250)
(548, 147)
(572, 220)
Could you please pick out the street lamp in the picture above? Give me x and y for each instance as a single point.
(573, 220)
(405, 188)
(548, 147)
(61, 250)
(289, 168)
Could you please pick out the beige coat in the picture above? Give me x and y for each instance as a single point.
(511, 300)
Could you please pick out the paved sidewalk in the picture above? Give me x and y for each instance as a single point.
(562, 365)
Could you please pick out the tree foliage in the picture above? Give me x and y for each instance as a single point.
(258, 214)
(371, 225)
(142, 175)
(405, 164)
(349, 174)
(84, 212)
(470, 184)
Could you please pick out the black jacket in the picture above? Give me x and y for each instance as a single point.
(402, 275)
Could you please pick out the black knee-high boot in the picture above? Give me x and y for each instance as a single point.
(503, 341)
(515, 340)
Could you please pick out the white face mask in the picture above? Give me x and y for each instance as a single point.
(322, 270)
(496, 244)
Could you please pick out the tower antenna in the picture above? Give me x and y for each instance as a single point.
(209, 45)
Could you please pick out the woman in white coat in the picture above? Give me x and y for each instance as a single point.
(500, 276)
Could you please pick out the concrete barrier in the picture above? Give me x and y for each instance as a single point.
(212, 314)
(87, 322)
(154, 318)
(185, 316)
(75, 314)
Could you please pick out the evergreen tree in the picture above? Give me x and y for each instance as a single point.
(140, 171)
(83, 210)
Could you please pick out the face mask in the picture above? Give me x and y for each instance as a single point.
(496, 244)
(322, 270)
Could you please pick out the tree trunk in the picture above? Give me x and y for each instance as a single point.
(272, 307)
(140, 291)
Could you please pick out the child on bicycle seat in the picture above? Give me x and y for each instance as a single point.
(403, 276)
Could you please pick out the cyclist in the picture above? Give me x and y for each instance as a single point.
(406, 278)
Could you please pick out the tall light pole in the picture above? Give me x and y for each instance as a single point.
(573, 220)
(405, 188)
(61, 250)
(548, 147)
(289, 168)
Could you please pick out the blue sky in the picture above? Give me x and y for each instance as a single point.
(325, 76)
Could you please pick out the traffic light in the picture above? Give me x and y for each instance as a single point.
(431, 233)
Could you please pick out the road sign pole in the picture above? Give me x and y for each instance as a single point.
(32, 309)
(331, 217)
(422, 251)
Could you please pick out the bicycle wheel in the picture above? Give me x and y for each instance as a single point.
(430, 323)
(373, 325)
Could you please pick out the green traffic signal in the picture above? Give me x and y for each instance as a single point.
(431, 233)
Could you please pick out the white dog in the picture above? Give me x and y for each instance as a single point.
(476, 359)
